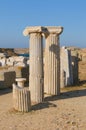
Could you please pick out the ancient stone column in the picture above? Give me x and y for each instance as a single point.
(52, 61)
(36, 63)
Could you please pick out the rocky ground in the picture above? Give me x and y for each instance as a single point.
(64, 112)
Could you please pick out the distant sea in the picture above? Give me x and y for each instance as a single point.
(25, 55)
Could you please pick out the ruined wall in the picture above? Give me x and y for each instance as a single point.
(79, 63)
(82, 65)
(6, 78)
(8, 75)
(66, 75)
(74, 56)
(20, 71)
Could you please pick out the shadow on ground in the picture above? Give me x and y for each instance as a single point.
(43, 105)
(65, 95)
(47, 100)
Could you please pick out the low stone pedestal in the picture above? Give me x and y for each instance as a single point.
(21, 99)
(20, 82)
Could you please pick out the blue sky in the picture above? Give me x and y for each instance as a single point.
(15, 15)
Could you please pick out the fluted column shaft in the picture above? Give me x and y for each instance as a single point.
(36, 80)
(52, 65)
(52, 61)
(36, 67)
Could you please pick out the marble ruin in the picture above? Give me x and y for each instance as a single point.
(49, 80)
(36, 84)
(66, 77)
(46, 70)
(20, 82)
(52, 61)
(21, 98)
(13, 61)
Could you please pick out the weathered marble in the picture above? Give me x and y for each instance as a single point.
(17, 61)
(52, 61)
(21, 99)
(36, 84)
(20, 82)
(66, 76)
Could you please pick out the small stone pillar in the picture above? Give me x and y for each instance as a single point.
(52, 61)
(36, 63)
(20, 82)
(21, 99)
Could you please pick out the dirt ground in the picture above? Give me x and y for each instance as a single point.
(64, 112)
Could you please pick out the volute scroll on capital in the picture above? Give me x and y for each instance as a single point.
(34, 29)
(54, 29)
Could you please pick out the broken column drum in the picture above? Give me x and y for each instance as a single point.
(52, 61)
(36, 63)
(21, 99)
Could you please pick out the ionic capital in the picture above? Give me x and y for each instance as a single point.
(54, 30)
(34, 29)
